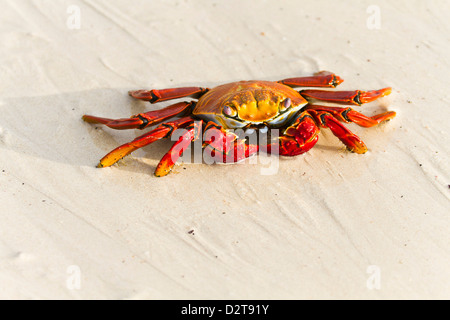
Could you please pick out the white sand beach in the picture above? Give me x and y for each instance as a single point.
(328, 224)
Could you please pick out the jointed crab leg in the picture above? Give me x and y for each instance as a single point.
(170, 158)
(144, 120)
(320, 79)
(350, 115)
(155, 96)
(351, 140)
(346, 97)
(162, 131)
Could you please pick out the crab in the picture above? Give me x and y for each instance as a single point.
(253, 106)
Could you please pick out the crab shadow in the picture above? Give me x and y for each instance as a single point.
(50, 127)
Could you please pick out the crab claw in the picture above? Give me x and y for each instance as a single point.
(218, 138)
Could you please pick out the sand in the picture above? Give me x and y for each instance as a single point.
(328, 224)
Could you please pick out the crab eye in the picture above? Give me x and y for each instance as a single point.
(286, 104)
(229, 111)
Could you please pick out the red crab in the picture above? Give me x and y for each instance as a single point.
(249, 105)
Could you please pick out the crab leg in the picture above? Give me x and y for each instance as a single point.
(320, 79)
(155, 96)
(351, 140)
(143, 120)
(162, 131)
(349, 115)
(170, 158)
(356, 97)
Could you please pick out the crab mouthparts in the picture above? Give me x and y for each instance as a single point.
(260, 129)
